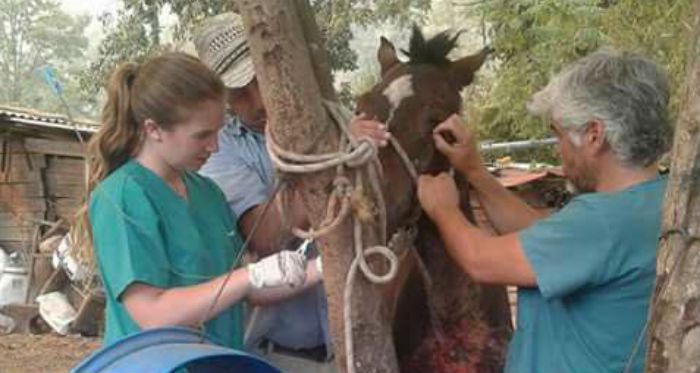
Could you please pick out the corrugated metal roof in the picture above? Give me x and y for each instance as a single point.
(30, 117)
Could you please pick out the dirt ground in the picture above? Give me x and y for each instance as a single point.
(25, 353)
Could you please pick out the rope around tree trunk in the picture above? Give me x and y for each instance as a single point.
(354, 155)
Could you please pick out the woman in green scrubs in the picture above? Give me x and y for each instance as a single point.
(163, 236)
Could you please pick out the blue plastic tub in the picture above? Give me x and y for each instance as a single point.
(170, 349)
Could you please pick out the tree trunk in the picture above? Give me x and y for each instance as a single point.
(674, 334)
(292, 91)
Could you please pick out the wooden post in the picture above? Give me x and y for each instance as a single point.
(674, 334)
(292, 91)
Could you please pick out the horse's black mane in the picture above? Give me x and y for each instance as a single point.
(432, 51)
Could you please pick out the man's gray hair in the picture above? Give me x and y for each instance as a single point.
(626, 92)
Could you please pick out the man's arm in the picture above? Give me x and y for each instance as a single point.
(498, 260)
(268, 237)
(505, 210)
(273, 232)
(489, 259)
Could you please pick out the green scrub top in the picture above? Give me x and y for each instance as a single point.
(144, 232)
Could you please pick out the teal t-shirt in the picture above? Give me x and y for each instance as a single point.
(144, 232)
(595, 264)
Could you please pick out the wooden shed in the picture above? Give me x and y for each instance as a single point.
(42, 172)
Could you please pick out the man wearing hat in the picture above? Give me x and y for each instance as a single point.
(292, 334)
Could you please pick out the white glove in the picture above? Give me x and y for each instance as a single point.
(284, 268)
(319, 265)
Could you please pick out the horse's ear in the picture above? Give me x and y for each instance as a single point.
(386, 55)
(464, 68)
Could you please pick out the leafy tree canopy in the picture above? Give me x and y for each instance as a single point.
(535, 38)
(33, 34)
(136, 31)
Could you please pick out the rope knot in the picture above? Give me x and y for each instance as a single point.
(366, 150)
(342, 183)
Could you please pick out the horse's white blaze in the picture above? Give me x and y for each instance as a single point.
(400, 89)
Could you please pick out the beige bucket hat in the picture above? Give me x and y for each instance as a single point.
(221, 44)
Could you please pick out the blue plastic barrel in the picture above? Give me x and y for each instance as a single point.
(166, 350)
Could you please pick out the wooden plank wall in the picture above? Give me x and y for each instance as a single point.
(22, 194)
(65, 185)
(40, 179)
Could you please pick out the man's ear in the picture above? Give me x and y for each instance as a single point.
(152, 130)
(594, 136)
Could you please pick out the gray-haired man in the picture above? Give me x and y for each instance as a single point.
(585, 273)
(294, 333)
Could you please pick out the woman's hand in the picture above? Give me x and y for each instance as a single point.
(280, 269)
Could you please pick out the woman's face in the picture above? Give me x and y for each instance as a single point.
(188, 144)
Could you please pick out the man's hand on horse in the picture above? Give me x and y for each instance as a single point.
(437, 194)
(362, 126)
(458, 143)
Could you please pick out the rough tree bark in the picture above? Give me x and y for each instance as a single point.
(292, 91)
(674, 334)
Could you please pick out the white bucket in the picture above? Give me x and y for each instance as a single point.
(14, 284)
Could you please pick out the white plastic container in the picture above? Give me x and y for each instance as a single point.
(14, 282)
(62, 258)
(55, 309)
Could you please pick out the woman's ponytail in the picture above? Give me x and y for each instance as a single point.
(117, 139)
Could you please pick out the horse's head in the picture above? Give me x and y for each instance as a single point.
(412, 98)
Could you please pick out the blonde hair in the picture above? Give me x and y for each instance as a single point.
(163, 89)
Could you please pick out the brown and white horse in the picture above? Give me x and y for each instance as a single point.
(456, 325)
